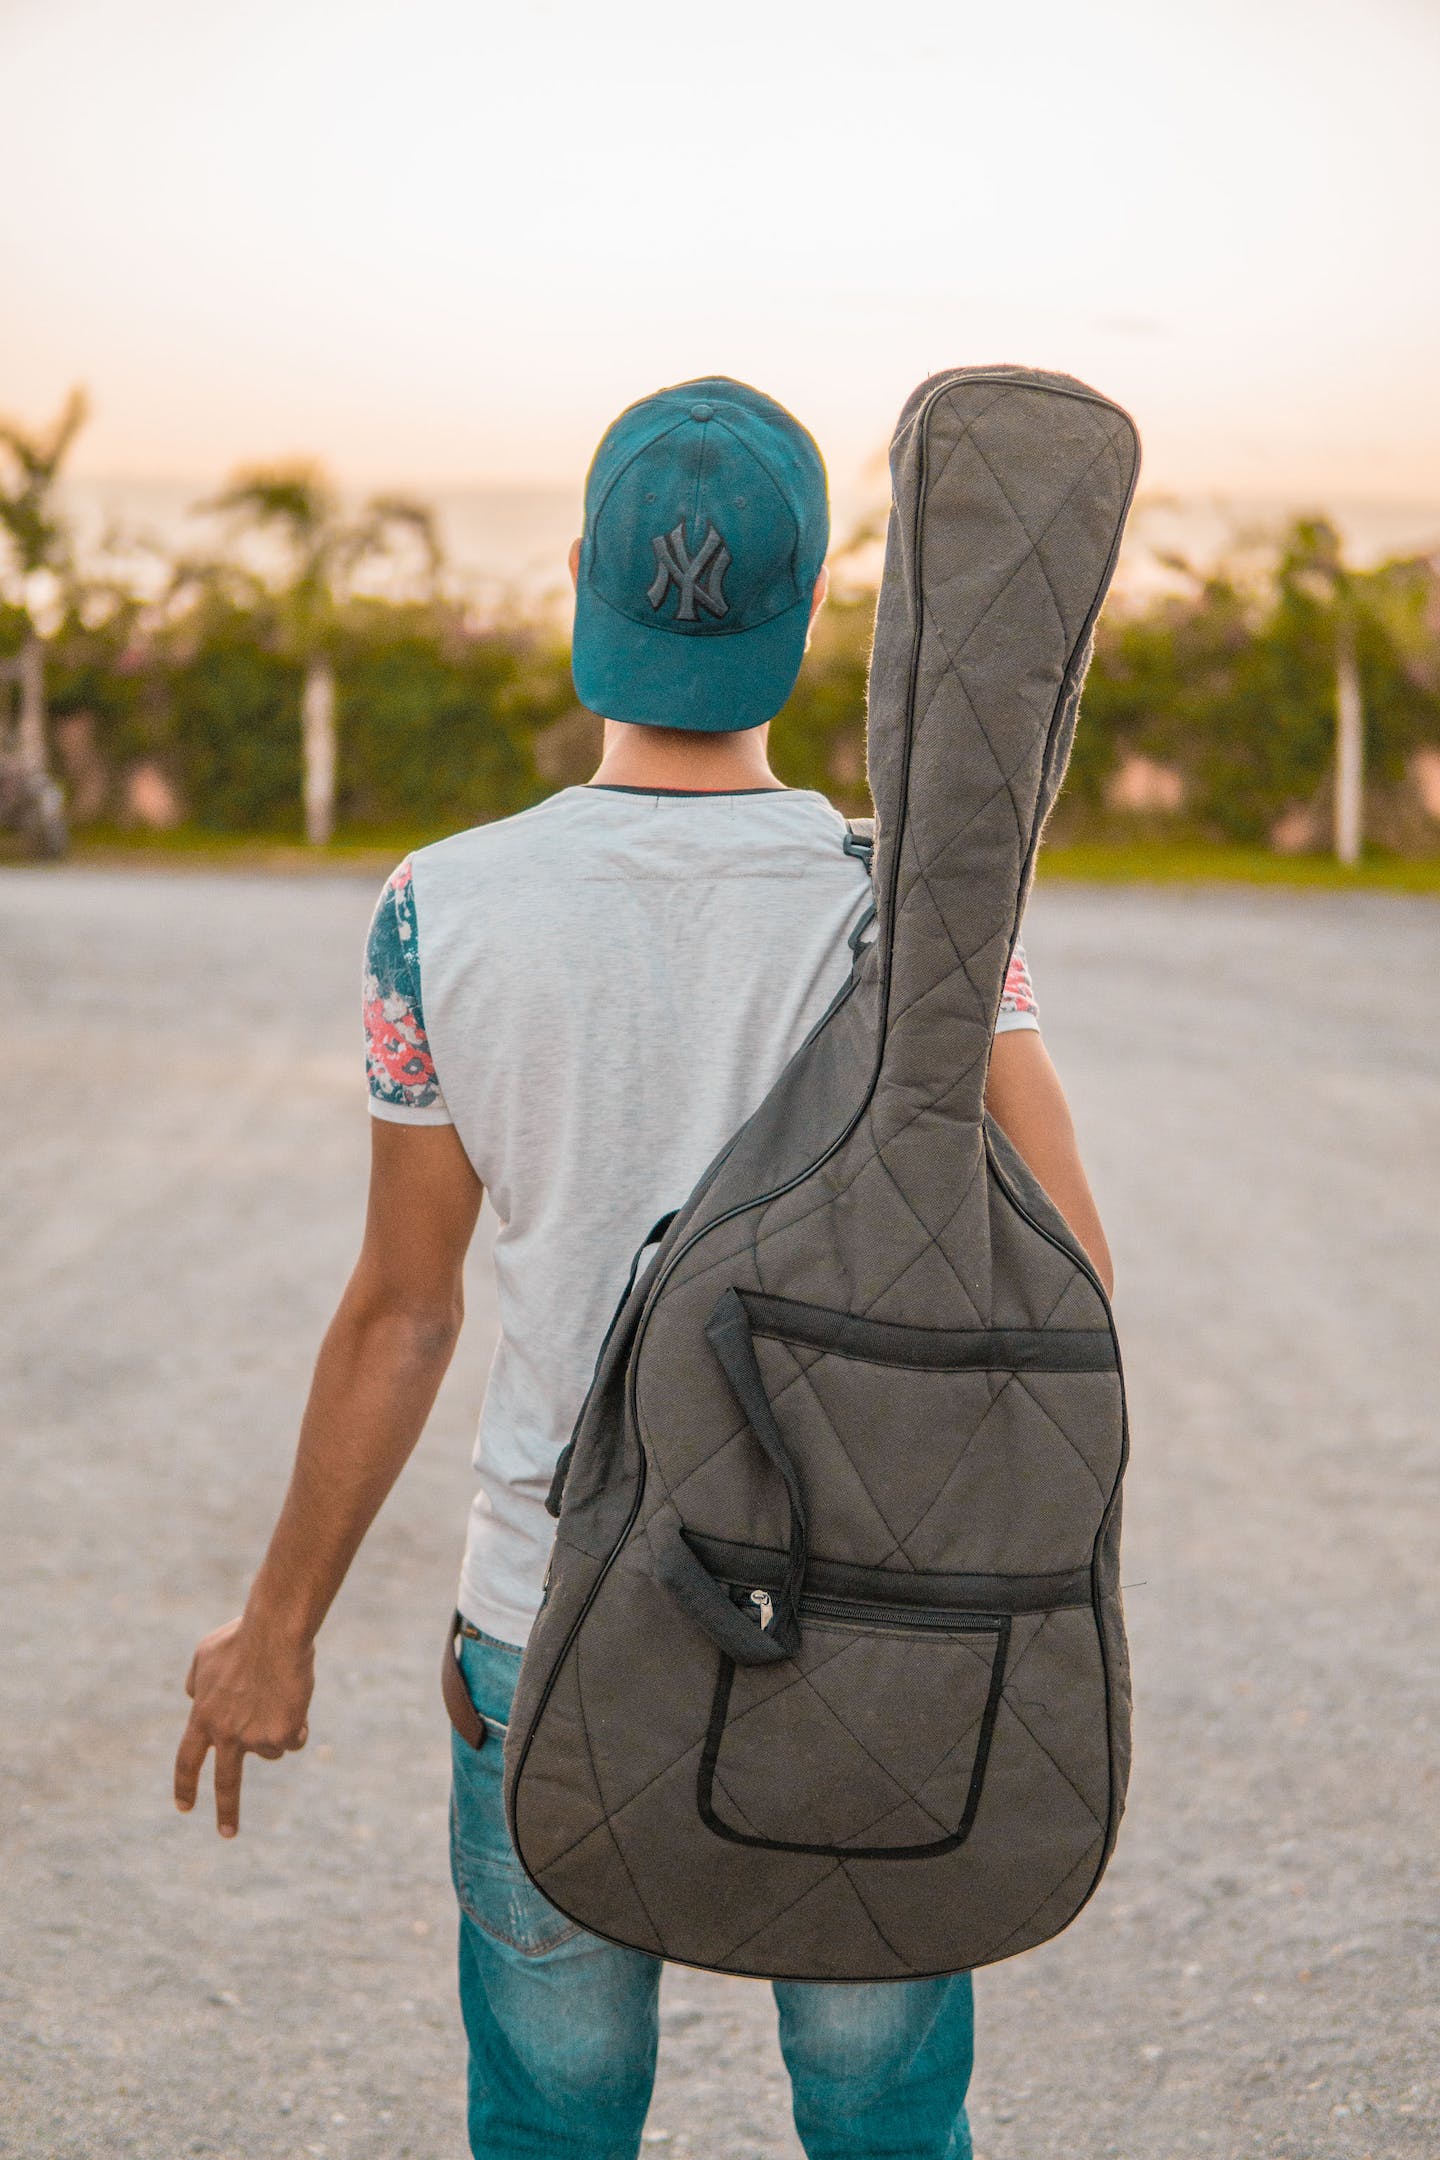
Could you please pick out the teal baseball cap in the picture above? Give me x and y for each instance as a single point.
(706, 524)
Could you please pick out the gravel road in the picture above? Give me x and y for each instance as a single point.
(1255, 1079)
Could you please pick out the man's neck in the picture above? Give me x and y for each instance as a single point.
(650, 757)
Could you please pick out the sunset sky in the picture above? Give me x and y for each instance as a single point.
(439, 243)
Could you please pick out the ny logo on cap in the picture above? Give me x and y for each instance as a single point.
(700, 576)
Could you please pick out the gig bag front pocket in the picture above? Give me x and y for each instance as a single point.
(870, 1743)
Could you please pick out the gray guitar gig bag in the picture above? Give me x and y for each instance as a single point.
(830, 1680)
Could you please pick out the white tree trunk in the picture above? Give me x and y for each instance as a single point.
(317, 719)
(1349, 748)
(30, 739)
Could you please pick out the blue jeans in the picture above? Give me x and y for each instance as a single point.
(563, 2027)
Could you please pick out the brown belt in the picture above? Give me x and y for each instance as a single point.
(465, 1718)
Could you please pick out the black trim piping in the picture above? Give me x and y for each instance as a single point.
(763, 1567)
(922, 1349)
(1074, 1252)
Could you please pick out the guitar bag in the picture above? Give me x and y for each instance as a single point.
(830, 1679)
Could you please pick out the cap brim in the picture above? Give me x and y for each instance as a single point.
(716, 684)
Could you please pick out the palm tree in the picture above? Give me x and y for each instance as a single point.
(323, 549)
(38, 541)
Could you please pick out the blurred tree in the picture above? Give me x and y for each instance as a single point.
(819, 734)
(37, 544)
(323, 552)
(1233, 683)
(442, 720)
(1314, 564)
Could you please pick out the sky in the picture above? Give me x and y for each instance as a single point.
(439, 244)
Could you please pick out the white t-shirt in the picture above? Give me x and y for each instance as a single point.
(596, 993)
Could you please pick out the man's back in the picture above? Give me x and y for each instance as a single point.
(605, 986)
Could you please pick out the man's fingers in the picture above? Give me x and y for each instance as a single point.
(189, 1760)
(247, 1697)
(229, 1763)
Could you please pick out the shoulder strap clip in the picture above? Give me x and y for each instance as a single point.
(860, 840)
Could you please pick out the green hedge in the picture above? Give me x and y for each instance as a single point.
(1235, 688)
(1230, 682)
(436, 722)
(443, 726)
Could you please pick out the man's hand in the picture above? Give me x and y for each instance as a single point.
(250, 1695)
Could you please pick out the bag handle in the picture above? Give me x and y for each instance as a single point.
(708, 1602)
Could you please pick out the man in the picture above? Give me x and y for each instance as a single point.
(575, 1008)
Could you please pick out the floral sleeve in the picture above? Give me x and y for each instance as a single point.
(398, 1063)
(1018, 1008)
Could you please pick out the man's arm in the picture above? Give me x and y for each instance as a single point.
(381, 1363)
(1024, 1096)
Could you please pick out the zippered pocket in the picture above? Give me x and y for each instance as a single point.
(869, 1743)
(876, 1614)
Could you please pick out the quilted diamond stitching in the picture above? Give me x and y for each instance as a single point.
(737, 1812)
(766, 1701)
(889, 1775)
(880, 1515)
(931, 1241)
(930, 1776)
(1007, 779)
(1035, 539)
(963, 688)
(742, 1942)
(1031, 1734)
(742, 1432)
(860, 1898)
(1059, 1428)
(997, 1949)
(610, 1816)
(959, 1462)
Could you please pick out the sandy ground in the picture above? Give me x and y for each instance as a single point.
(1255, 1078)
